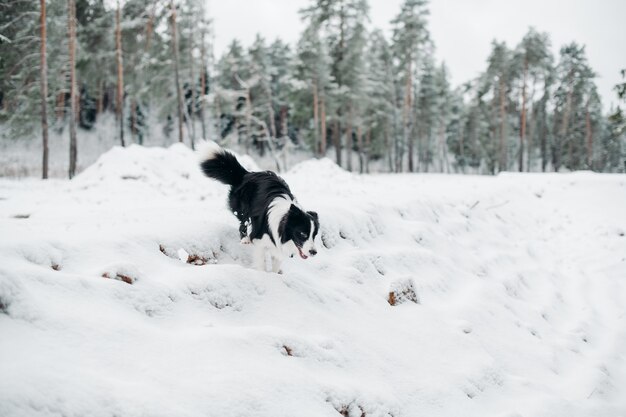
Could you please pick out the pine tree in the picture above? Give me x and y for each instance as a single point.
(410, 35)
(380, 113)
(96, 59)
(456, 126)
(612, 154)
(443, 111)
(190, 34)
(343, 24)
(261, 92)
(497, 79)
(44, 90)
(192, 79)
(481, 144)
(205, 56)
(353, 72)
(313, 69)
(426, 109)
(71, 19)
(21, 64)
(230, 98)
(179, 99)
(119, 102)
(281, 81)
(308, 53)
(574, 86)
(139, 18)
(543, 116)
(532, 57)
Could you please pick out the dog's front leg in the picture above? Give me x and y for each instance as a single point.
(276, 263)
(258, 255)
(243, 231)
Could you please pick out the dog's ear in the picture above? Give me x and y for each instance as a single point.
(293, 209)
(312, 214)
(293, 213)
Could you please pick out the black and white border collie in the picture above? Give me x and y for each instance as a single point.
(270, 217)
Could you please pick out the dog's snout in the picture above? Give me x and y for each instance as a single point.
(313, 252)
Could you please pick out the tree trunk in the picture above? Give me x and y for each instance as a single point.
(339, 78)
(203, 86)
(59, 105)
(150, 26)
(248, 121)
(359, 144)
(424, 139)
(443, 154)
(426, 152)
(388, 146)
(179, 99)
(323, 126)
(317, 149)
(44, 92)
(503, 151)
(589, 137)
(394, 145)
(420, 146)
(564, 126)
(283, 121)
(462, 147)
(392, 134)
(368, 144)
(531, 125)
(570, 152)
(71, 13)
(408, 95)
(272, 116)
(192, 86)
(100, 101)
(349, 139)
(337, 140)
(78, 103)
(284, 129)
(530, 142)
(218, 112)
(522, 130)
(119, 107)
(544, 140)
(133, 119)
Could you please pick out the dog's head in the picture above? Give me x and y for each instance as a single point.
(300, 227)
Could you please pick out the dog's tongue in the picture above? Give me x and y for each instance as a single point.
(302, 255)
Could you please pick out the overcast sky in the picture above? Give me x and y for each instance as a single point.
(462, 29)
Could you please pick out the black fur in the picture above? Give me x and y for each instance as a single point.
(251, 195)
(225, 168)
(296, 226)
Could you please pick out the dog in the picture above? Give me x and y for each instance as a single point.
(270, 217)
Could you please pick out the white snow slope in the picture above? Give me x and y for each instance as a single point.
(519, 282)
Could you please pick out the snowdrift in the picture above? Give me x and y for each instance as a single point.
(125, 292)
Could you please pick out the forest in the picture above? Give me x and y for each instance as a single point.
(373, 102)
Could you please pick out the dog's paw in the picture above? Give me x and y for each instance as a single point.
(245, 240)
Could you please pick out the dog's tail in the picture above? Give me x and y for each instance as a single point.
(220, 164)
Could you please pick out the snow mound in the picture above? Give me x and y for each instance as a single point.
(139, 163)
(318, 167)
(127, 292)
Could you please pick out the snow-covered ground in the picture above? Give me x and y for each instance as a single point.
(509, 293)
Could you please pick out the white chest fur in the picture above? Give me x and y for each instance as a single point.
(277, 210)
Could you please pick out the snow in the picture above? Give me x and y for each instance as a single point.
(126, 292)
